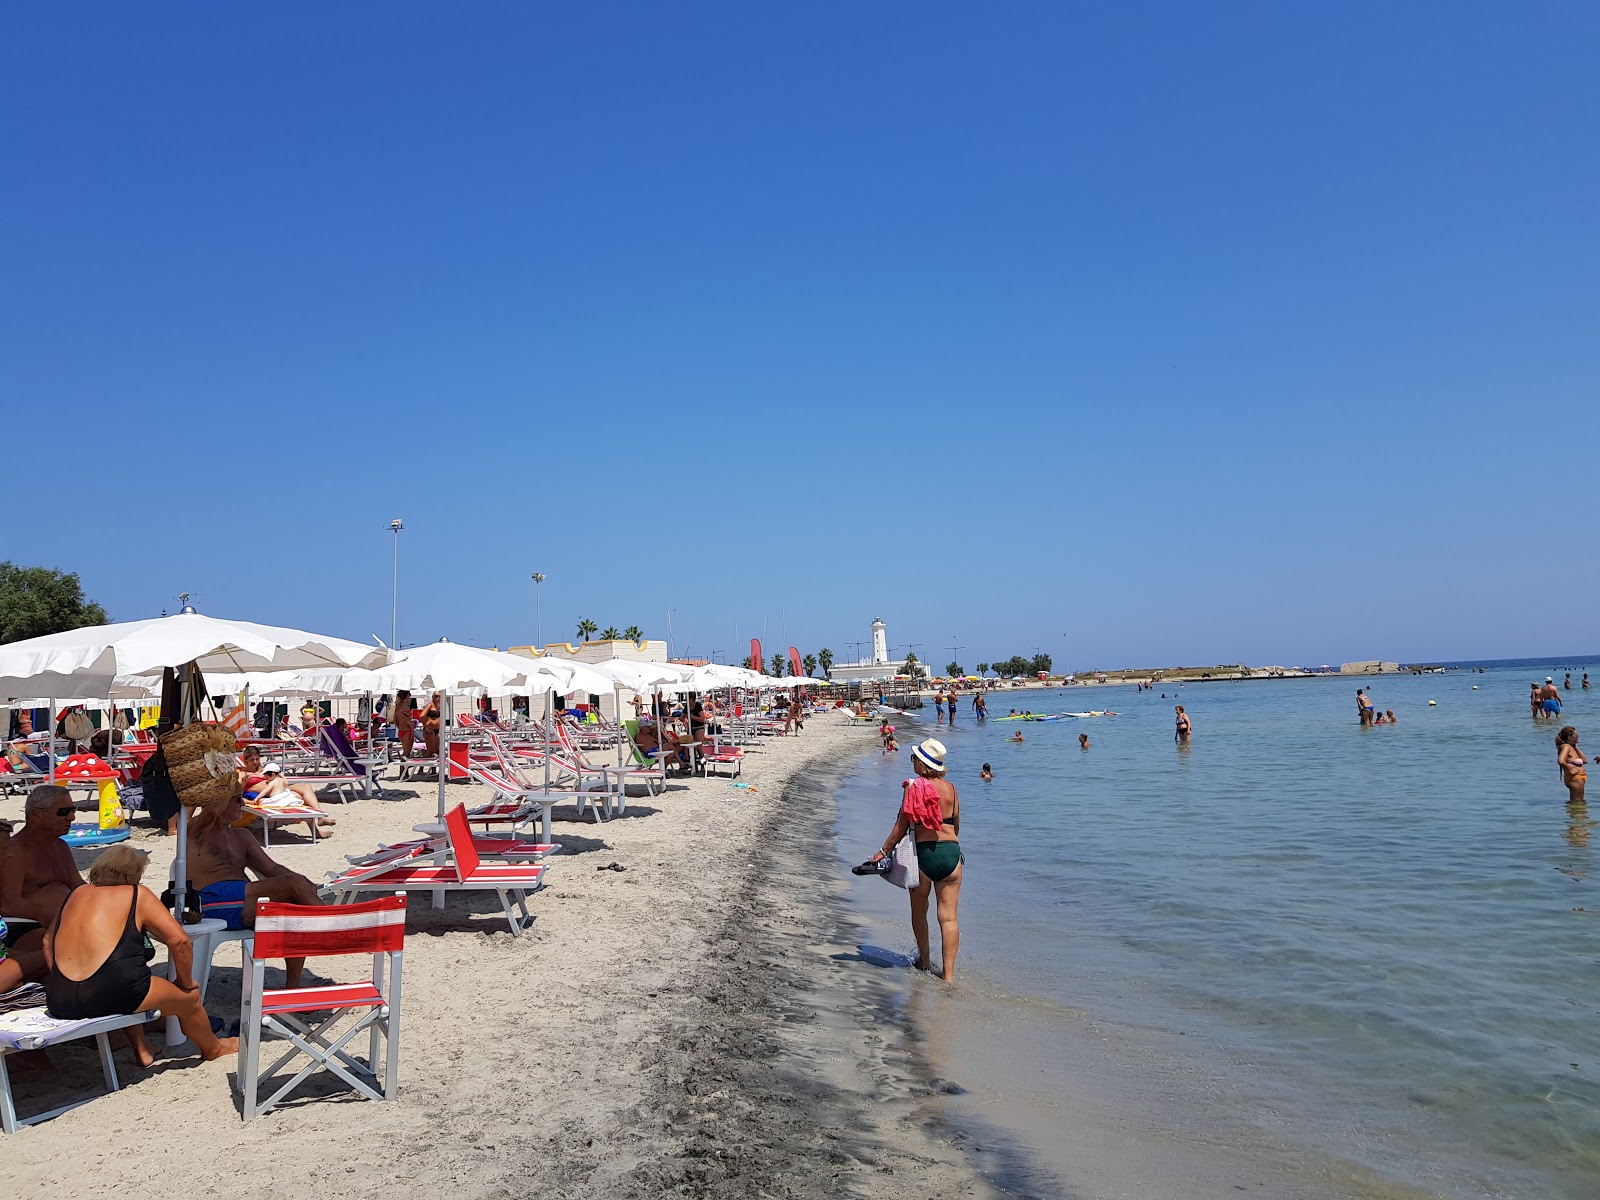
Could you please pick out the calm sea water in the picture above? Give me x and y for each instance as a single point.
(1398, 927)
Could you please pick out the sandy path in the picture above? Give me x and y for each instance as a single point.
(679, 1027)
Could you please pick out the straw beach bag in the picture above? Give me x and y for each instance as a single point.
(202, 764)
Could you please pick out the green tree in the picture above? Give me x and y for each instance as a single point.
(1015, 665)
(586, 628)
(809, 662)
(983, 668)
(914, 668)
(745, 662)
(610, 634)
(825, 657)
(953, 670)
(633, 633)
(779, 665)
(1039, 665)
(35, 601)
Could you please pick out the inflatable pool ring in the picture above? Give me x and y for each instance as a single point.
(86, 835)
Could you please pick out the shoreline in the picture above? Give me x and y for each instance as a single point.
(683, 1026)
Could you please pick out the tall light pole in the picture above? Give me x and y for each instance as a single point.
(955, 651)
(538, 609)
(395, 526)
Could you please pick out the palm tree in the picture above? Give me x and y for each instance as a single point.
(825, 657)
(809, 662)
(779, 663)
(610, 634)
(746, 662)
(587, 627)
(633, 633)
(983, 668)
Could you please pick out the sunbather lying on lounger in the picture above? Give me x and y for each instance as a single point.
(265, 784)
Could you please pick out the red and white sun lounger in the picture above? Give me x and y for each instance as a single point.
(279, 814)
(465, 872)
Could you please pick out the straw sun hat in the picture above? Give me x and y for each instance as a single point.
(931, 755)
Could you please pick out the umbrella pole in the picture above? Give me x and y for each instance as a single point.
(180, 865)
(549, 706)
(444, 758)
(51, 744)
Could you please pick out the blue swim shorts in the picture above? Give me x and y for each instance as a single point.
(224, 901)
(1552, 707)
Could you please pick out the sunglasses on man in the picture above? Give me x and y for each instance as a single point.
(65, 812)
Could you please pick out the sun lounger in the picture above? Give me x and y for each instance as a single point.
(25, 1025)
(465, 872)
(279, 814)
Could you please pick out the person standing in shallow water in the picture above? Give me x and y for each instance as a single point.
(933, 813)
(1185, 728)
(1573, 762)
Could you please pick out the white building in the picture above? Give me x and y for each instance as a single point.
(870, 670)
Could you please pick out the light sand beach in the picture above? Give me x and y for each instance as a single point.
(687, 1025)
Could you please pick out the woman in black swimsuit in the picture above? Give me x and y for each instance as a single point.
(99, 956)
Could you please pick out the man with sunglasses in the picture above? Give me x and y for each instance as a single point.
(39, 872)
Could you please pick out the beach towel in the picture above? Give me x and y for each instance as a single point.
(921, 803)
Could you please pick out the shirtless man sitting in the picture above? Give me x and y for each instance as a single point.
(219, 856)
(40, 873)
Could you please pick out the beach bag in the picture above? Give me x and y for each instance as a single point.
(155, 789)
(77, 726)
(903, 871)
(202, 764)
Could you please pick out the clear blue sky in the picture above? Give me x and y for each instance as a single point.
(1141, 333)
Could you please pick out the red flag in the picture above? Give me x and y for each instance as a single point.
(794, 662)
(755, 655)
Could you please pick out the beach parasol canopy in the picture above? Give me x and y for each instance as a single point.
(86, 662)
(640, 676)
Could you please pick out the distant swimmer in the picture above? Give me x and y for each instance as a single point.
(1550, 695)
(1567, 685)
(1015, 737)
(986, 774)
(1185, 727)
(1364, 709)
(1573, 763)
(1586, 681)
(1390, 715)
(1083, 741)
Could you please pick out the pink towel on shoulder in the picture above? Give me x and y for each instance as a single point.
(921, 803)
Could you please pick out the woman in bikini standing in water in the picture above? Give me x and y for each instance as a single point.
(1573, 762)
(938, 857)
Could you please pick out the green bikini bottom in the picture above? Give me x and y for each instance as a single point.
(937, 860)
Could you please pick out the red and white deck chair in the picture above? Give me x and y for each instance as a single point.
(376, 927)
(465, 872)
(596, 791)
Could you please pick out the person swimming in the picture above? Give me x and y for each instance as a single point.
(1083, 741)
(986, 774)
(1390, 714)
(1015, 737)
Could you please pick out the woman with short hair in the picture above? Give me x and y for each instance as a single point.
(98, 950)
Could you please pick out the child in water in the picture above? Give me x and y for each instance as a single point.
(1015, 737)
(1083, 741)
(986, 774)
(1390, 715)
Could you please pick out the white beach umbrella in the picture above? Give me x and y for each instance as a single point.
(89, 660)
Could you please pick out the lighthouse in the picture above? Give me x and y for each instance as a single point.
(880, 642)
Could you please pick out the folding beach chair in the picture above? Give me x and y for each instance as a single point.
(376, 927)
(465, 872)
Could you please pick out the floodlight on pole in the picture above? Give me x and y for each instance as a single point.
(395, 526)
(538, 609)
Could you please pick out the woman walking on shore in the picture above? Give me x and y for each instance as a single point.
(1573, 762)
(931, 809)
